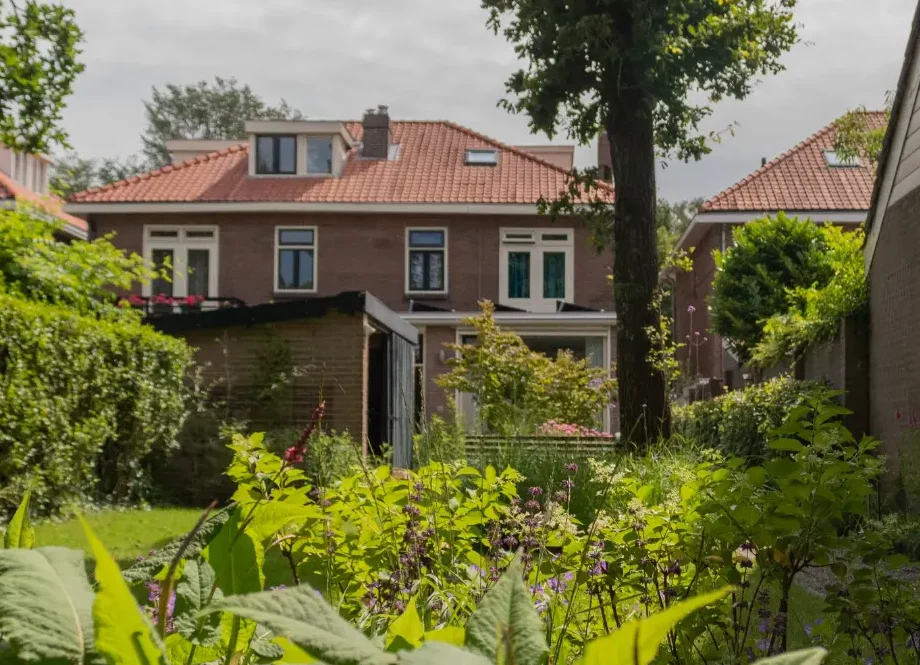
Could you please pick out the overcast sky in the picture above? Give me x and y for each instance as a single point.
(435, 59)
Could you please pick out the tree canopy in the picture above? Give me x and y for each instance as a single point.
(648, 73)
(772, 262)
(204, 110)
(857, 140)
(39, 50)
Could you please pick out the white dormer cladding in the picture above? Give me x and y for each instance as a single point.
(311, 138)
(30, 171)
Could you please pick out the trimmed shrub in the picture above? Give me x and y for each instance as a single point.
(84, 403)
(738, 423)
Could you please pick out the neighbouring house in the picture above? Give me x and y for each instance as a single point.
(24, 183)
(807, 181)
(892, 254)
(430, 217)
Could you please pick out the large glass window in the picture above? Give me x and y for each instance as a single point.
(536, 270)
(276, 155)
(162, 260)
(554, 275)
(427, 260)
(319, 155)
(519, 275)
(185, 259)
(296, 260)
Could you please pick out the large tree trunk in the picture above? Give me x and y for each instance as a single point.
(644, 413)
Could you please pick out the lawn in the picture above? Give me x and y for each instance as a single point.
(126, 533)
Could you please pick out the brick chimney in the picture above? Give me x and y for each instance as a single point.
(376, 133)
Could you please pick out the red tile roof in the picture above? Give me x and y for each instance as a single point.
(10, 190)
(429, 169)
(801, 180)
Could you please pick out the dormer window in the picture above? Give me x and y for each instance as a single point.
(480, 157)
(276, 155)
(319, 155)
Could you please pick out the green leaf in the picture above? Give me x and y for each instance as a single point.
(268, 518)
(19, 533)
(449, 635)
(506, 622)
(790, 445)
(408, 631)
(236, 558)
(301, 615)
(124, 635)
(639, 640)
(146, 568)
(293, 653)
(46, 604)
(440, 653)
(812, 656)
(266, 648)
(193, 593)
(179, 650)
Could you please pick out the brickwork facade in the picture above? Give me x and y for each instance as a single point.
(894, 367)
(368, 252)
(330, 354)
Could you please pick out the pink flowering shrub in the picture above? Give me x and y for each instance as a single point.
(553, 428)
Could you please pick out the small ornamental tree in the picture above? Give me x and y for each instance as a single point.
(646, 72)
(757, 278)
(517, 389)
(39, 49)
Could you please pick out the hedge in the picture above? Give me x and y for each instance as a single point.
(738, 422)
(84, 404)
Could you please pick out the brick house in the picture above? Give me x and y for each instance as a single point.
(892, 254)
(429, 217)
(24, 183)
(807, 181)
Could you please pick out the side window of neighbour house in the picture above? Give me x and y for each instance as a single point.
(185, 260)
(426, 260)
(295, 259)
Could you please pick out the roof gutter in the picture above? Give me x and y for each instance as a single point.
(77, 208)
(743, 217)
(561, 319)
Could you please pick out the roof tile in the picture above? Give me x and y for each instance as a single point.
(430, 168)
(800, 179)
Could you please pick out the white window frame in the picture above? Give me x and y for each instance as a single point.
(521, 239)
(439, 229)
(177, 244)
(279, 246)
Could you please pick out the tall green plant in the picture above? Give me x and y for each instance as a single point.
(517, 389)
(816, 310)
(770, 258)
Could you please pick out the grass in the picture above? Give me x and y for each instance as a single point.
(127, 534)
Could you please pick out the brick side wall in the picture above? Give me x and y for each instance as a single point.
(329, 352)
(694, 288)
(894, 374)
(367, 252)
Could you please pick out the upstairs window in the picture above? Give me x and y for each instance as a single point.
(185, 260)
(295, 259)
(536, 268)
(319, 155)
(480, 157)
(426, 263)
(276, 155)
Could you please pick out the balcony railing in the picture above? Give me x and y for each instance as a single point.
(162, 305)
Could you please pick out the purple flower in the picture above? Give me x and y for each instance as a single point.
(599, 569)
(571, 468)
(532, 505)
(535, 491)
(691, 309)
(568, 484)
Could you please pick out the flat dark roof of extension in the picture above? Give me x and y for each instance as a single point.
(347, 302)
